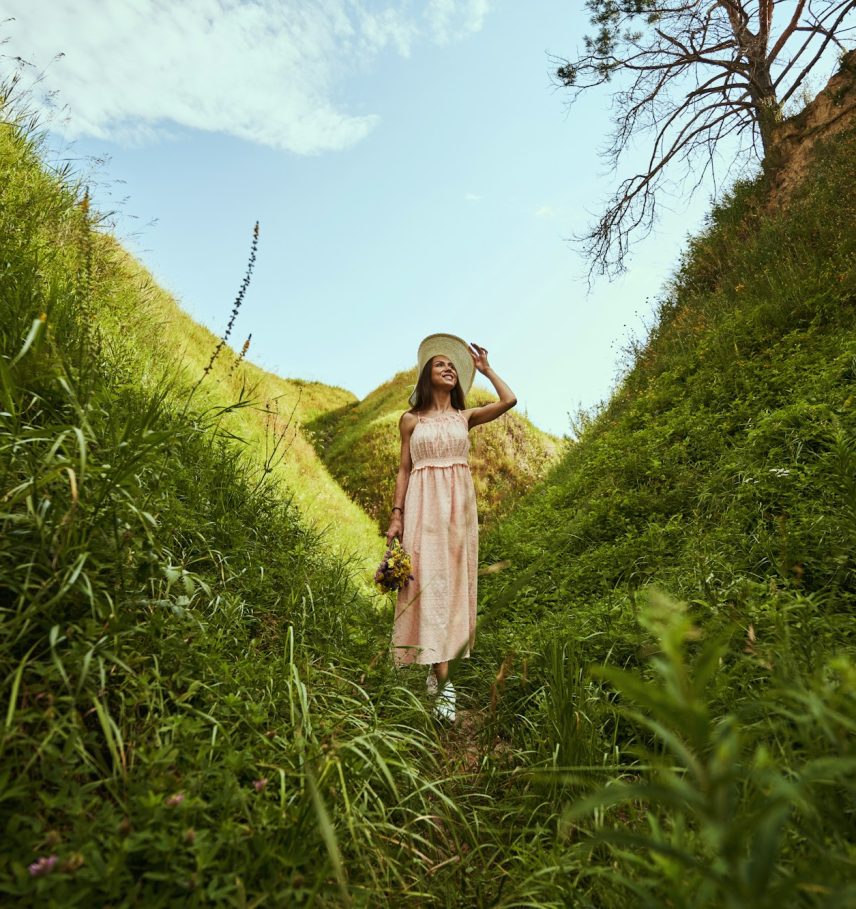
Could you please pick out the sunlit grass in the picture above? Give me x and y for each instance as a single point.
(140, 315)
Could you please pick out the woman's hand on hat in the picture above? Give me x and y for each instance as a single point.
(479, 355)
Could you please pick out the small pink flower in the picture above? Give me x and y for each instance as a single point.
(175, 799)
(43, 865)
(260, 785)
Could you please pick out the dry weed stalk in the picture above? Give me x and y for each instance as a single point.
(239, 299)
(240, 358)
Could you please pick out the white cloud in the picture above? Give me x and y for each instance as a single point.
(545, 211)
(472, 197)
(387, 28)
(452, 19)
(262, 70)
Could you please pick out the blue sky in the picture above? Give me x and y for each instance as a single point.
(412, 166)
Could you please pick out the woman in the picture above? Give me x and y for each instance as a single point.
(434, 512)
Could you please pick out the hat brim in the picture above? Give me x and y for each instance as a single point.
(453, 347)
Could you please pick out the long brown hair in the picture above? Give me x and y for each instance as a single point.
(423, 390)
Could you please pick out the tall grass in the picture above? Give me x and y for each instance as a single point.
(733, 809)
(173, 730)
(198, 705)
(719, 773)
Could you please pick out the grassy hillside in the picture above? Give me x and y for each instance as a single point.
(722, 459)
(723, 470)
(273, 412)
(141, 327)
(359, 442)
(200, 708)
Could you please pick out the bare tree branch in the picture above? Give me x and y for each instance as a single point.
(692, 74)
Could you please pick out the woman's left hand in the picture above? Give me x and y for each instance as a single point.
(479, 355)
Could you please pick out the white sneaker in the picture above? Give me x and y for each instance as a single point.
(431, 682)
(444, 707)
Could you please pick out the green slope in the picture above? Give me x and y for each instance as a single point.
(359, 442)
(717, 451)
(723, 466)
(723, 470)
(145, 327)
(168, 613)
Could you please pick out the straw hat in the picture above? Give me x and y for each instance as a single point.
(453, 347)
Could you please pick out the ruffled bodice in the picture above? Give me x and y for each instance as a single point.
(440, 441)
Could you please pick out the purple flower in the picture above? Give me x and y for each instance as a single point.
(260, 785)
(175, 799)
(43, 865)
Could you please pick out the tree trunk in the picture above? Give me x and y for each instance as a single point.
(765, 103)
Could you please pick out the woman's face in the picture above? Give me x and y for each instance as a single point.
(443, 373)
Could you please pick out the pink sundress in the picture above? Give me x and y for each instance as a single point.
(435, 615)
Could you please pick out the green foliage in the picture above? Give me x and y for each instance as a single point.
(170, 733)
(722, 469)
(721, 806)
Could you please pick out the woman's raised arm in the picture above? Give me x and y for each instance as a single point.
(507, 399)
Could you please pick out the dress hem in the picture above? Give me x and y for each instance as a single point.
(401, 663)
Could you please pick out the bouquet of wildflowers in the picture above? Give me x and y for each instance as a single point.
(393, 573)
